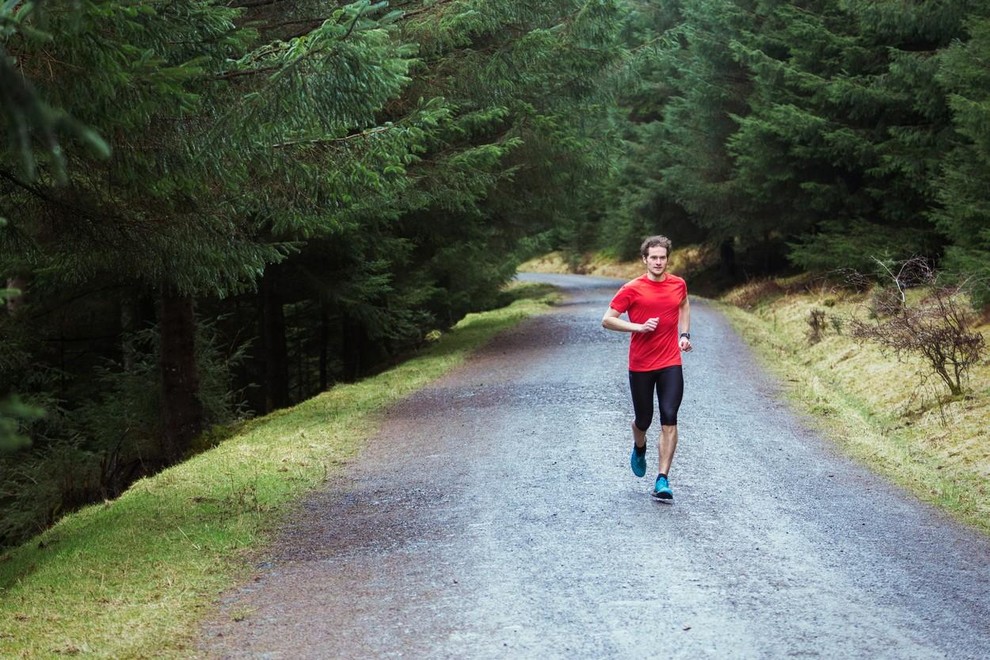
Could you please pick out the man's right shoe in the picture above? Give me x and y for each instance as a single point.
(637, 461)
(662, 491)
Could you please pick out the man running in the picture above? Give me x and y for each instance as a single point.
(660, 322)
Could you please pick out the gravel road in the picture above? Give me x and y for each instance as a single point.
(495, 516)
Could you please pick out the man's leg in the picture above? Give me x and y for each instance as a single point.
(670, 391)
(637, 458)
(639, 437)
(666, 446)
(641, 386)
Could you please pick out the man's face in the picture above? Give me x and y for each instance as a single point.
(656, 260)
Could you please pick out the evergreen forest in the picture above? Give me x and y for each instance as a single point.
(213, 210)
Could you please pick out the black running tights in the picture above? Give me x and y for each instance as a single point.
(669, 386)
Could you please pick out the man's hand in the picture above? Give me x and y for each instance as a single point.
(685, 344)
(650, 325)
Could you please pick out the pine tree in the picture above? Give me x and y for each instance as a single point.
(323, 182)
(198, 113)
(964, 215)
(810, 129)
(848, 127)
(711, 90)
(648, 81)
(33, 127)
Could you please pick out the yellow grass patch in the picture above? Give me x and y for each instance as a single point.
(683, 260)
(895, 414)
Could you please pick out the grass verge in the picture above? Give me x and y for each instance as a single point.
(133, 578)
(894, 415)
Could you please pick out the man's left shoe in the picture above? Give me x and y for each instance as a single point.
(637, 461)
(662, 491)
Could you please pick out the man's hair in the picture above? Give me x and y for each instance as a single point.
(654, 241)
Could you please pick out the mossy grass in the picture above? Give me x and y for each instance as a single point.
(134, 577)
(894, 414)
(602, 265)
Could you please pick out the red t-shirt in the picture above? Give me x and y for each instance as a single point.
(643, 299)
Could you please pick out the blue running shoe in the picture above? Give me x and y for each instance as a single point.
(637, 461)
(662, 490)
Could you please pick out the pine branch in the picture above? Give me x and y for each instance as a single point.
(230, 75)
(315, 22)
(345, 138)
(57, 202)
(36, 191)
(423, 10)
(357, 16)
(250, 4)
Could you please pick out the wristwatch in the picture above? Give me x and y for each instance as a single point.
(686, 335)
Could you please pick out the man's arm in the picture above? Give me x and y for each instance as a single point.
(611, 321)
(684, 323)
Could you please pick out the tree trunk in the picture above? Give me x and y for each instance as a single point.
(274, 353)
(324, 347)
(351, 347)
(727, 259)
(182, 411)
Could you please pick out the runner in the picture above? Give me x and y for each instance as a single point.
(659, 314)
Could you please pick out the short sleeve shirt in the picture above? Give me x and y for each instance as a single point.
(642, 299)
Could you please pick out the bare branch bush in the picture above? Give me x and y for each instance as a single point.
(816, 325)
(885, 302)
(938, 328)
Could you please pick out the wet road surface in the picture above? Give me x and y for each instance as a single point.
(495, 516)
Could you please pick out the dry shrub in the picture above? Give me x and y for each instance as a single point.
(940, 328)
(885, 302)
(754, 293)
(816, 325)
(693, 259)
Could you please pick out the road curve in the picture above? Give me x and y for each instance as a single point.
(495, 516)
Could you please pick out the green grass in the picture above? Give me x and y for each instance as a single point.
(134, 577)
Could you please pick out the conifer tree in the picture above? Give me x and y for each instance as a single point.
(522, 80)
(481, 147)
(815, 129)
(875, 126)
(330, 175)
(31, 126)
(964, 215)
(204, 122)
(640, 202)
(141, 74)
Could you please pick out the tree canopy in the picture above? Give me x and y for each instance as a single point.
(217, 209)
(826, 134)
